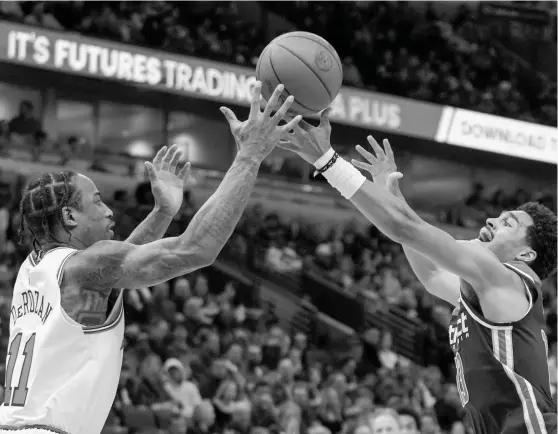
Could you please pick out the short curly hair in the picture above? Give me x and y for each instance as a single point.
(541, 237)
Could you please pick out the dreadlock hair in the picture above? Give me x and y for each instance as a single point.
(541, 237)
(42, 204)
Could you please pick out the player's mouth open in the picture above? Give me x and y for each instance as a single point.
(485, 235)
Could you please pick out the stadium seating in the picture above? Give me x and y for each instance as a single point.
(390, 47)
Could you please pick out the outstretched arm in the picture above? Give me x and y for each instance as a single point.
(470, 261)
(114, 264)
(152, 228)
(111, 264)
(435, 279)
(392, 215)
(381, 165)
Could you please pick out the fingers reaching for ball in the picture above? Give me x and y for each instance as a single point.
(256, 100)
(261, 132)
(270, 106)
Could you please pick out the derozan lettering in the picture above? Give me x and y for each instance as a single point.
(111, 63)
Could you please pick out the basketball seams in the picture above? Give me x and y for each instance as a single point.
(309, 67)
(258, 66)
(333, 54)
(287, 90)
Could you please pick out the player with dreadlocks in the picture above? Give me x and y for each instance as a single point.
(43, 202)
(65, 348)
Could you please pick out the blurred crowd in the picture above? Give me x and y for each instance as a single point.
(390, 47)
(482, 204)
(205, 355)
(360, 260)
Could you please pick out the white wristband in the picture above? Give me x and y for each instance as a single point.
(324, 159)
(344, 177)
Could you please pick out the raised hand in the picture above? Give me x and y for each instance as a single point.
(167, 177)
(259, 134)
(382, 166)
(308, 141)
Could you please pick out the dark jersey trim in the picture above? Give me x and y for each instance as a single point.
(532, 294)
(29, 427)
(479, 318)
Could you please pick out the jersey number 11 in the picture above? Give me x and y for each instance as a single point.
(16, 396)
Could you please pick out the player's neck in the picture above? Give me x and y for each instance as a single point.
(72, 243)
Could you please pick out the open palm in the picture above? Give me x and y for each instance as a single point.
(167, 178)
(382, 166)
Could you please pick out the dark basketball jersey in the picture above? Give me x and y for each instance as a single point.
(502, 369)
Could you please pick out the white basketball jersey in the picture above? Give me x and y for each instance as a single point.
(59, 373)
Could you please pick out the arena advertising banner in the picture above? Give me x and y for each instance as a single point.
(484, 132)
(517, 12)
(91, 57)
(166, 72)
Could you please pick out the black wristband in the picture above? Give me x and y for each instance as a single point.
(328, 165)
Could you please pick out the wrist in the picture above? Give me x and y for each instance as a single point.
(248, 158)
(163, 212)
(343, 176)
(324, 159)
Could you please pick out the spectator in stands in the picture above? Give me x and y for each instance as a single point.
(429, 424)
(11, 10)
(387, 357)
(384, 421)
(40, 15)
(351, 74)
(409, 420)
(448, 408)
(203, 419)
(25, 128)
(263, 411)
(179, 388)
(150, 390)
(282, 258)
(68, 149)
(5, 205)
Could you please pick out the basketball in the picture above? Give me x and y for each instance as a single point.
(307, 65)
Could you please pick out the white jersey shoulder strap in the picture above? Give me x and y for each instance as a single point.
(51, 262)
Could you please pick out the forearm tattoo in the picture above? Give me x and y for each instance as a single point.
(215, 221)
(198, 246)
(152, 228)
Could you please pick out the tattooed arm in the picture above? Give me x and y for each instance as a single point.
(112, 264)
(151, 229)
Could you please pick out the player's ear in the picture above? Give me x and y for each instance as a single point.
(68, 218)
(528, 255)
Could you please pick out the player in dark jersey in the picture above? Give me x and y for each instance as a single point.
(502, 368)
(497, 328)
